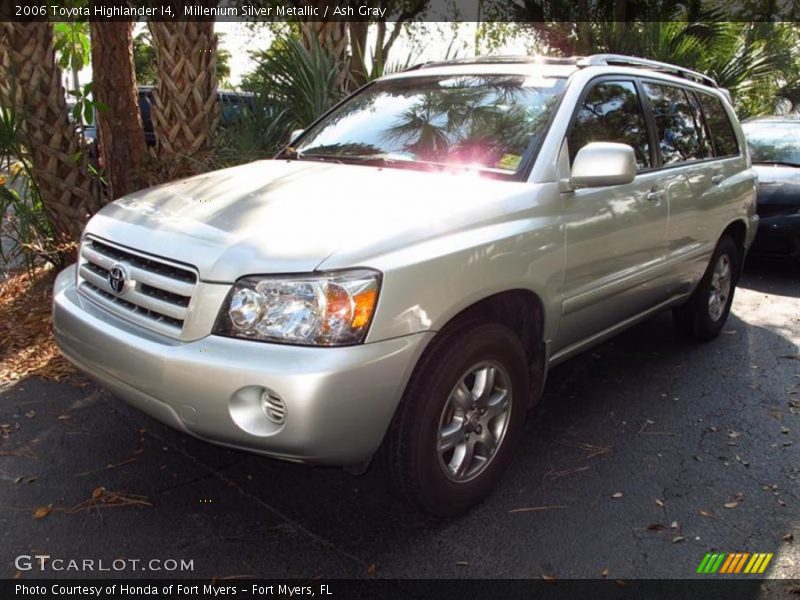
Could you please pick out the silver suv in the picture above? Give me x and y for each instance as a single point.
(400, 279)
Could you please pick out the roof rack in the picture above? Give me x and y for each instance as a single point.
(620, 60)
(497, 60)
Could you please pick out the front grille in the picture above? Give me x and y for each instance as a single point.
(156, 293)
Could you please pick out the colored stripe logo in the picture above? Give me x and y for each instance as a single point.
(734, 563)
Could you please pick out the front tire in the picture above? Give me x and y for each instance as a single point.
(460, 419)
(705, 313)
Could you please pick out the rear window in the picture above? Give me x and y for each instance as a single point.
(719, 124)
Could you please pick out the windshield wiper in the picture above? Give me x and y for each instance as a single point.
(321, 157)
(394, 159)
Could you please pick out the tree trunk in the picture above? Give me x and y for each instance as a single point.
(332, 38)
(359, 53)
(31, 85)
(120, 125)
(185, 110)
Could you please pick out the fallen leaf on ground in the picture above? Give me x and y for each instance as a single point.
(704, 513)
(549, 578)
(789, 537)
(660, 502)
(785, 430)
(42, 512)
(656, 527)
(678, 539)
(29, 348)
(673, 525)
(616, 495)
(30, 414)
(734, 434)
(372, 569)
(535, 508)
(731, 504)
(462, 563)
(64, 417)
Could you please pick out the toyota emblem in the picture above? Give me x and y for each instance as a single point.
(117, 279)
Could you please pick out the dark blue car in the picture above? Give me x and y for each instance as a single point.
(774, 144)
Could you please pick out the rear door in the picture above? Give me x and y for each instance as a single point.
(690, 175)
(614, 235)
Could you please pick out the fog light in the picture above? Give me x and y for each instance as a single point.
(273, 407)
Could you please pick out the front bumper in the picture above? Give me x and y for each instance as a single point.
(778, 235)
(339, 401)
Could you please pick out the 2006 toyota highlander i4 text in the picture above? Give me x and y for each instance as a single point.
(399, 280)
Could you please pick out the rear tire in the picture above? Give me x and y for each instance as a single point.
(460, 418)
(705, 313)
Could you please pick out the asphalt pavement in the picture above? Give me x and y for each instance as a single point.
(646, 453)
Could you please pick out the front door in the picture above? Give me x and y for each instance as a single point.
(615, 236)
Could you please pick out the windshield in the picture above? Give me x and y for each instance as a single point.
(776, 142)
(484, 122)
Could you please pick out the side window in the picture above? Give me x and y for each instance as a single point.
(678, 129)
(611, 112)
(719, 124)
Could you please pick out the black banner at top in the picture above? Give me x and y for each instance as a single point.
(393, 10)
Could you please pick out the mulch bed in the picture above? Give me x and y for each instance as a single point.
(27, 347)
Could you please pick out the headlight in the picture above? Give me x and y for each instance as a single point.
(325, 309)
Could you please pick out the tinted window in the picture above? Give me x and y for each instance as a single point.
(720, 125)
(678, 127)
(611, 112)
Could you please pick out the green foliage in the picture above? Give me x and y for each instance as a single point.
(144, 59)
(292, 87)
(84, 105)
(756, 62)
(24, 221)
(254, 135)
(303, 81)
(71, 42)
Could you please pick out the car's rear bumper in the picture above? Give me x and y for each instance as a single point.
(778, 235)
(339, 401)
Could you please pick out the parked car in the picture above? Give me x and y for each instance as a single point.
(400, 280)
(774, 144)
(232, 106)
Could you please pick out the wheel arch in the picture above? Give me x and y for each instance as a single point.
(523, 312)
(737, 231)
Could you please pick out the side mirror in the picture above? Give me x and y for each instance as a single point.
(294, 135)
(601, 164)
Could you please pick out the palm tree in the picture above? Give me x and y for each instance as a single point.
(185, 110)
(30, 85)
(756, 62)
(122, 140)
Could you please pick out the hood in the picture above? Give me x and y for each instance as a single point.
(278, 216)
(778, 184)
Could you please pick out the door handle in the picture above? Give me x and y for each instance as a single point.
(717, 179)
(655, 195)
